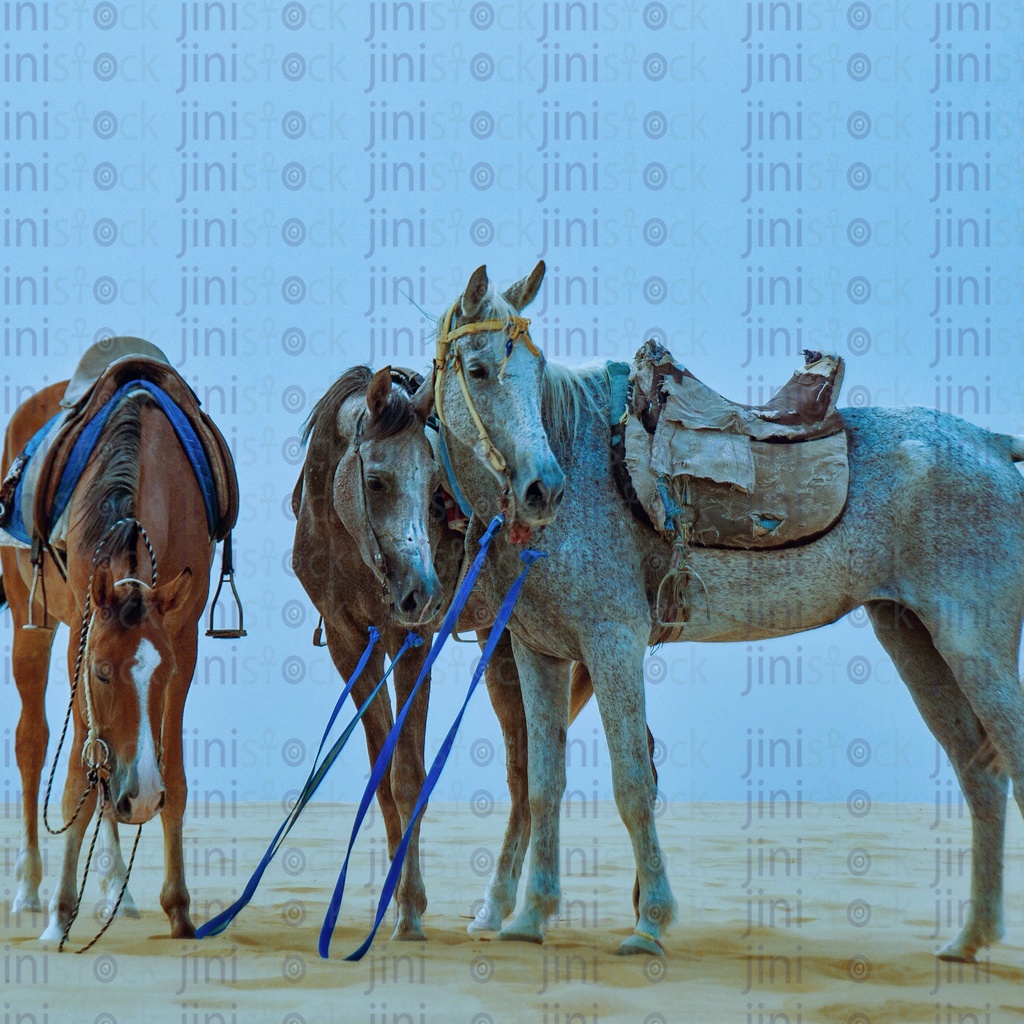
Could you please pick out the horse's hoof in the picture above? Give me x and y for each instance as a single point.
(183, 928)
(640, 944)
(54, 932)
(127, 907)
(26, 901)
(521, 932)
(405, 932)
(956, 955)
(488, 919)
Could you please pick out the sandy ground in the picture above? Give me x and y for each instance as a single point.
(825, 917)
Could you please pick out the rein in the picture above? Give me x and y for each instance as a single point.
(97, 767)
(518, 329)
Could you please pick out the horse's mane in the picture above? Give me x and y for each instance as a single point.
(111, 493)
(395, 417)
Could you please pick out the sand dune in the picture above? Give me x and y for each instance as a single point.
(821, 918)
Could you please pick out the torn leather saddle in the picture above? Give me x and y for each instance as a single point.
(708, 471)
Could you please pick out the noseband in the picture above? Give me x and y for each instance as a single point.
(518, 329)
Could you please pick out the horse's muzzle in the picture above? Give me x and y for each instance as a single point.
(540, 497)
(135, 804)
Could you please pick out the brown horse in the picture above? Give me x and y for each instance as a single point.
(366, 547)
(135, 512)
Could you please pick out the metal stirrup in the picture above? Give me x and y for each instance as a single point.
(227, 572)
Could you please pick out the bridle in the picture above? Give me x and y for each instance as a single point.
(95, 750)
(377, 562)
(517, 329)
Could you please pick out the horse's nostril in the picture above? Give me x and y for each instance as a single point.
(124, 806)
(535, 493)
(556, 498)
(410, 602)
(161, 802)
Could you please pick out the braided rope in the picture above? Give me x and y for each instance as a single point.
(97, 770)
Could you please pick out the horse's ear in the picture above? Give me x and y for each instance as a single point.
(473, 296)
(102, 586)
(379, 391)
(170, 595)
(523, 292)
(423, 400)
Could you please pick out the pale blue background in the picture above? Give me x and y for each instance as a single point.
(482, 200)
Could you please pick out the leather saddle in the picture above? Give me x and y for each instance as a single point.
(103, 369)
(732, 475)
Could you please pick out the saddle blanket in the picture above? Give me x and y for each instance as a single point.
(16, 530)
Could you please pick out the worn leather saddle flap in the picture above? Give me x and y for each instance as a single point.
(724, 468)
(91, 388)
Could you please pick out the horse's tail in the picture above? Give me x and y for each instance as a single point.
(1017, 447)
(581, 689)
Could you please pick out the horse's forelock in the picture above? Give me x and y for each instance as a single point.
(131, 608)
(397, 415)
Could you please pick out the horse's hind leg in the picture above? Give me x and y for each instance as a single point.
(30, 658)
(949, 715)
(502, 680)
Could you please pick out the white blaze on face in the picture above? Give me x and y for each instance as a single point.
(151, 785)
(416, 528)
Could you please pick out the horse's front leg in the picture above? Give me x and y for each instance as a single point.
(616, 667)
(407, 777)
(174, 895)
(502, 680)
(545, 686)
(30, 660)
(65, 896)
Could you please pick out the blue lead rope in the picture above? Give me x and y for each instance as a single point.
(529, 557)
(384, 757)
(317, 774)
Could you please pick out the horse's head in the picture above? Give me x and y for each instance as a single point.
(489, 394)
(384, 483)
(128, 664)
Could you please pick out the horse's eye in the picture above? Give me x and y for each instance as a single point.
(102, 671)
(375, 484)
(478, 372)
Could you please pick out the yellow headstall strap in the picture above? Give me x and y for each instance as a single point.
(517, 329)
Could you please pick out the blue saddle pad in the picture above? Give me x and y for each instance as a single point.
(86, 443)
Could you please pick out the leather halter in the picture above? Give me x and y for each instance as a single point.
(518, 329)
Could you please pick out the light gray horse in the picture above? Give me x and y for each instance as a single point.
(930, 543)
(373, 547)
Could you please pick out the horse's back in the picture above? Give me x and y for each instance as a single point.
(932, 439)
(29, 417)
